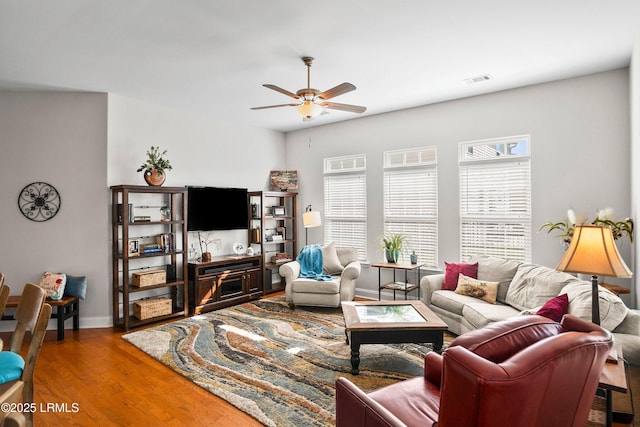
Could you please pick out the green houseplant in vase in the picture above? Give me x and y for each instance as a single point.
(393, 245)
(155, 166)
(619, 228)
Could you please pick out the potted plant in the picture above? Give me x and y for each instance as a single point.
(394, 245)
(155, 166)
(619, 228)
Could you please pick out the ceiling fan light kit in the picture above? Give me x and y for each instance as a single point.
(312, 102)
(309, 109)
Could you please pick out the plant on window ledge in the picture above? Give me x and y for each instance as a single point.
(619, 229)
(393, 245)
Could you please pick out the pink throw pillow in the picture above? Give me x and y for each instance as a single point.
(555, 308)
(452, 272)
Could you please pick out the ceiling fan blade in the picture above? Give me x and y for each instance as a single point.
(273, 106)
(283, 91)
(338, 90)
(344, 107)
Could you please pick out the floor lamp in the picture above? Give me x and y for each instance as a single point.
(593, 251)
(310, 219)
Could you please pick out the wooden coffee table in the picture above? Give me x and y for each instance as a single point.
(389, 322)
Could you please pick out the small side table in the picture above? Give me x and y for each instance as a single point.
(405, 286)
(613, 378)
(618, 290)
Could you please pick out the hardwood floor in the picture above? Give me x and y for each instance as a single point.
(95, 378)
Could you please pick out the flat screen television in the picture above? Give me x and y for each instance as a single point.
(217, 208)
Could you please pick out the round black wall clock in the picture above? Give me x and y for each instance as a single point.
(39, 201)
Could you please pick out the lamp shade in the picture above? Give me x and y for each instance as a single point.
(311, 219)
(593, 251)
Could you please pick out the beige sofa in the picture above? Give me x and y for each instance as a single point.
(524, 288)
(340, 263)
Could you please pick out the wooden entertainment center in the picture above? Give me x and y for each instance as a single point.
(224, 281)
(152, 278)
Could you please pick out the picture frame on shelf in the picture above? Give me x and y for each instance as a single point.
(278, 211)
(133, 247)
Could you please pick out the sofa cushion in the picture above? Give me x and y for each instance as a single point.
(452, 271)
(612, 309)
(53, 284)
(480, 313)
(313, 286)
(422, 397)
(480, 289)
(330, 261)
(346, 255)
(555, 308)
(76, 286)
(534, 285)
(450, 301)
(494, 269)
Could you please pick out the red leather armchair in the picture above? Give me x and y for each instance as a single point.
(526, 371)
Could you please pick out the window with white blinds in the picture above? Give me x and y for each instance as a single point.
(411, 200)
(495, 198)
(345, 202)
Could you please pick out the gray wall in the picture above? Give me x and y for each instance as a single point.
(580, 147)
(61, 139)
(81, 144)
(202, 151)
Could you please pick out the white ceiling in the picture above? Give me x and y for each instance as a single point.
(212, 56)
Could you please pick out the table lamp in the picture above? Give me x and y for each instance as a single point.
(310, 219)
(593, 251)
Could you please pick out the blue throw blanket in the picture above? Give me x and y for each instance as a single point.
(310, 260)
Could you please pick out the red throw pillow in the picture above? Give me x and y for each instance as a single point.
(555, 308)
(454, 270)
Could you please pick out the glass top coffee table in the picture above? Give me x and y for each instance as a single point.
(389, 322)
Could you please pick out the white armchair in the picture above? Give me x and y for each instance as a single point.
(341, 263)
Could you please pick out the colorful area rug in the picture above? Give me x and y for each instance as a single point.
(277, 364)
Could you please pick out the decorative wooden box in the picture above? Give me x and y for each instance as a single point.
(148, 278)
(153, 307)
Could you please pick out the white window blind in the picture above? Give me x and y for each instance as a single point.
(345, 203)
(411, 200)
(495, 199)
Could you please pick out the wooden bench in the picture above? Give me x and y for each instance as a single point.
(65, 308)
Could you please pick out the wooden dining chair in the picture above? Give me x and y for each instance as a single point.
(33, 315)
(4, 297)
(9, 417)
(26, 314)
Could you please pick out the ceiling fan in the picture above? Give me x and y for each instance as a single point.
(312, 102)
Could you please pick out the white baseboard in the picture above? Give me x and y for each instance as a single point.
(385, 295)
(85, 323)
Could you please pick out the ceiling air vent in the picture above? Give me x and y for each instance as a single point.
(478, 79)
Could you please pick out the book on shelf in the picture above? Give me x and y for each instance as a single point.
(281, 258)
(152, 250)
(166, 241)
(120, 212)
(400, 286)
(612, 357)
